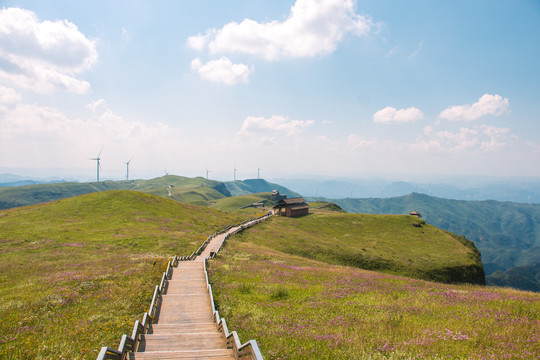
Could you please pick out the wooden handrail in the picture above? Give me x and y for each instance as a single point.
(130, 343)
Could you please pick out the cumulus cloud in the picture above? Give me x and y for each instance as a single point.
(488, 104)
(43, 55)
(254, 124)
(482, 138)
(390, 114)
(8, 98)
(221, 71)
(25, 125)
(314, 27)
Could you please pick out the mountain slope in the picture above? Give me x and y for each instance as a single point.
(197, 190)
(507, 234)
(298, 308)
(77, 272)
(253, 186)
(402, 245)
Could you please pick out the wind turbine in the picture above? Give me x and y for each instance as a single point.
(207, 172)
(97, 158)
(258, 172)
(127, 168)
(235, 169)
(166, 173)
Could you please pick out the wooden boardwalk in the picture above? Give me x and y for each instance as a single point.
(184, 327)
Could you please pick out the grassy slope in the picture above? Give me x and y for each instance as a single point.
(71, 270)
(507, 234)
(198, 191)
(236, 202)
(253, 186)
(387, 243)
(298, 308)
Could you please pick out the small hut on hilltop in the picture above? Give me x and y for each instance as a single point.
(291, 207)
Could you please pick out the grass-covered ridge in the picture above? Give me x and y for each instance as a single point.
(70, 270)
(298, 308)
(198, 190)
(402, 245)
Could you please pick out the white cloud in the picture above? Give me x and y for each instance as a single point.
(314, 27)
(494, 105)
(43, 55)
(417, 50)
(479, 138)
(27, 129)
(8, 98)
(254, 124)
(390, 114)
(355, 141)
(221, 71)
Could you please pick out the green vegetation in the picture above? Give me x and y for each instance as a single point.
(244, 201)
(507, 234)
(324, 206)
(197, 191)
(254, 186)
(520, 277)
(76, 273)
(298, 308)
(402, 245)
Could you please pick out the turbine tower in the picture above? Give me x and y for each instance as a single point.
(127, 168)
(235, 169)
(258, 172)
(97, 158)
(207, 172)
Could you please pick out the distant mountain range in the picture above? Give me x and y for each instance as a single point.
(522, 190)
(507, 234)
(10, 180)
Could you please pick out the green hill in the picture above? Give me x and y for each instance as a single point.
(76, 273)
(198, 191)
(298, 308)
(402, 245)
(253, 186)
(507, 234)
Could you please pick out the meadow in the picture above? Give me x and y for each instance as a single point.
(297, 308)
(76, 273)
(395, 244)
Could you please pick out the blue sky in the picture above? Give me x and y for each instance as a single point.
(322, 87)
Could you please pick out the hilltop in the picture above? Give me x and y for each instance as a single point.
(76, 273)
(198, 191)
(507, 234)
(402, 245)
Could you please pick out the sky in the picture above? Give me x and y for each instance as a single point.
(322, 87)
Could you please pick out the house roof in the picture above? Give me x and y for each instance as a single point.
(292, 201)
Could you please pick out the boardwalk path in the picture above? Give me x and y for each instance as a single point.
(184, 326)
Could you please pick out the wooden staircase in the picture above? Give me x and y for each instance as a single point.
(185, 327)
(182, 322)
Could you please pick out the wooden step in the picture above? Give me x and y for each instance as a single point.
(187, 341)
(175, 286)
(215, 354)
(183, 328)
(185, 318)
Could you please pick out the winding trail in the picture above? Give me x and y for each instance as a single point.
(184, 327)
